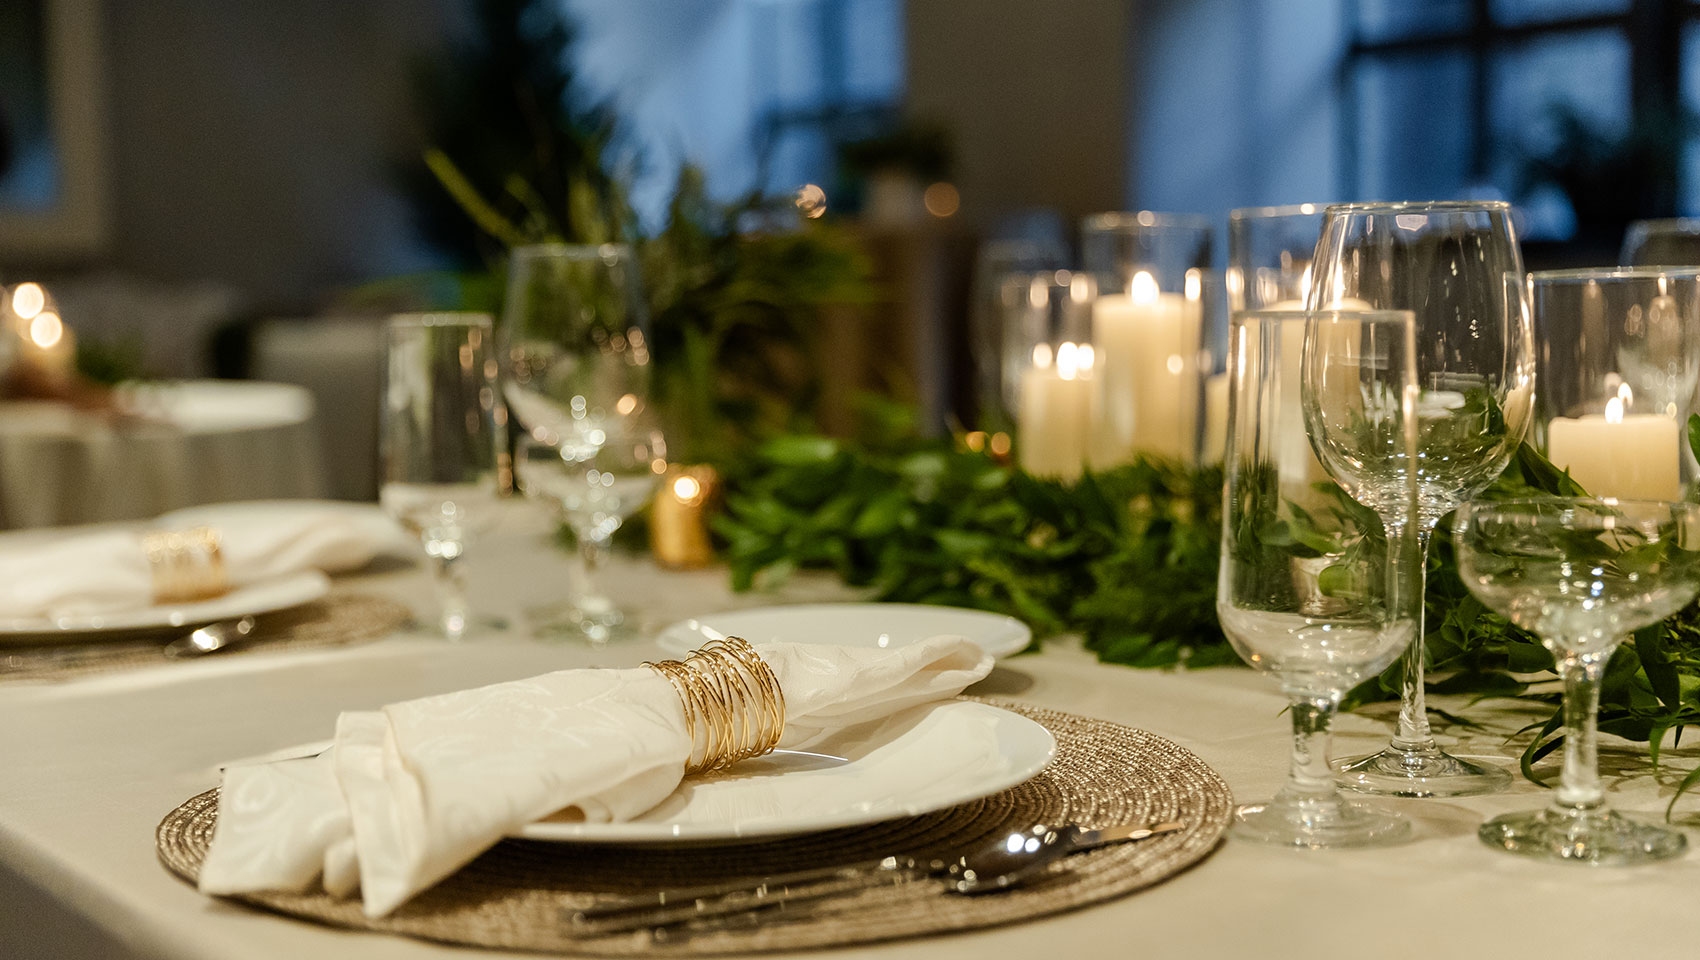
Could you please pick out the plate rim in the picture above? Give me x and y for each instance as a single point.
(623, 834)
(664, 635)
(313, 585)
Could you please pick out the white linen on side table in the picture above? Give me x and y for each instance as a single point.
(409, 794)
(107, 571)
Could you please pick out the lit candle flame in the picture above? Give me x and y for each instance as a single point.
(46, 330)
(1041, 355)
(28, 300)
(1144, 288)
(1614, 410)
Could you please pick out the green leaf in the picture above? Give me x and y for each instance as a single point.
(796, 451)
(1687, 784)
(1649, 643)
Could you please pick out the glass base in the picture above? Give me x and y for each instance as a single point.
(593, 620)
(1429, 772)
(1318, 823)
(1595, 836)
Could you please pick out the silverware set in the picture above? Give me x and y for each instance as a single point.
(1001, 864)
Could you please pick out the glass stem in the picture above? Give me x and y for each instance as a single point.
(1309, 777)
(1407, 551)
(451, 590)
(587, 566)
(1579, 788)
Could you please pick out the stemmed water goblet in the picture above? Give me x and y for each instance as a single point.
(596, 484)
(1304, 593)
(1581, 574)
(439, 442)
(1457, 267)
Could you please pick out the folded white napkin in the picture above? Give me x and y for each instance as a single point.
(409, 794)
(107, 570)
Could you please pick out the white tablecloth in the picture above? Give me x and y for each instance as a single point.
(204, 441)
(88, 768)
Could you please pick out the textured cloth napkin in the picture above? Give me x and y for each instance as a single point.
(410, 793)
(107, 571)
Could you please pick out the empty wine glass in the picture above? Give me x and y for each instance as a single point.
(439, 443)
(1581, 574)
(596, 484)
(573, 348)
(1304, 591)
(1457, 267)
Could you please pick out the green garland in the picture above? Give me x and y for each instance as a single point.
(1127, 559)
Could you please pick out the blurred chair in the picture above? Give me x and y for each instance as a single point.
(340, 361)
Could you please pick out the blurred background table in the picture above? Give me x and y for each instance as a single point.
(198, 441)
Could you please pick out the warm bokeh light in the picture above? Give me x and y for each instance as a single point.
(28, 299)
(811, 201)
(941, 199)
(46, 331)
(626, 404)
(1000, 445)
(975, 440)
(687, 489)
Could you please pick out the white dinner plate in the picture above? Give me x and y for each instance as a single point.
(874, 625)
(267, 596)
(915, 761)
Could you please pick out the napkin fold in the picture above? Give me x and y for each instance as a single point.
(106, 571)
(408, 794)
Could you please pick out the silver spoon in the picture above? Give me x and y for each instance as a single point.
(210, 639)
(997, 865)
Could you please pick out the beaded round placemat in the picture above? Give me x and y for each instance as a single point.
(337, 620)
(518, 894)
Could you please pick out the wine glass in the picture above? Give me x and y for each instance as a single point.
(439, 441)
(1305, 592)
(1672, 242)
(596, 484)
(1581, 574)
(573, 348)
(1457, 267)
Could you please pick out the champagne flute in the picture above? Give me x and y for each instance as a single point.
(1457, 267)
(439, 443)
(596, 483)
(1581, 574)
(1304, 592)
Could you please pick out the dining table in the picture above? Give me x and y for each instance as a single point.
(90, 764)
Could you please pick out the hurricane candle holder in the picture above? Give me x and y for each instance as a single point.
(1270, 250)
(1582, 575)
(1146, 331)
(1617, 363)
(1049, 365)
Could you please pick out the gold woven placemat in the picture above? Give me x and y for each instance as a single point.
(337, 620)
(517, 894)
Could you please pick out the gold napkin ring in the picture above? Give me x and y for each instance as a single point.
(186, 564)
(732, 696)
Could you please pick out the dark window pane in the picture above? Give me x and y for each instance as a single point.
(1392, 19)
(1414, 126)
(1690, 199)
(1536, 11)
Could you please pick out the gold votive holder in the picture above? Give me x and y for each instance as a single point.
(678, 525)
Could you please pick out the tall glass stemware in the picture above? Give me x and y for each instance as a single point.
(1457, 267)
(1269, 255)
(573, 347)
(1582, 575)
(596, 488)
(439, 439)
(1304, 592)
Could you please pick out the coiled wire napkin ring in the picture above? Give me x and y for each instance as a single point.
(186, 564)
(729, 693)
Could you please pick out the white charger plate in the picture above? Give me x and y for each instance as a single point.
(869, 625)
(926, 758)
(267, 596)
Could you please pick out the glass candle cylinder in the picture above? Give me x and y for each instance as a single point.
(1049, 368)
(1147, 333)
(1672, 242)
(1617, 360)
(1269, 255)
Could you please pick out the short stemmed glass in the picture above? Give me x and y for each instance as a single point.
(596, 486)
(1581, 574)
(1457, 267)
(439, 442)
(1303, 591)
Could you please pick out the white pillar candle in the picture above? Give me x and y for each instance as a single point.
(1054, 414)
(1630, 456)
(1146, 343)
